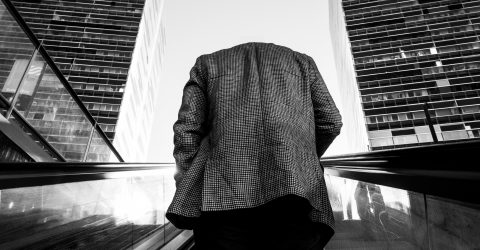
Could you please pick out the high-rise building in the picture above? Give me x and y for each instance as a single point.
(92, 42)
(417, 68)
(111, 53)
(354, 129)
(134, 126)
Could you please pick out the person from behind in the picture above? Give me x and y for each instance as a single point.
(254, 121)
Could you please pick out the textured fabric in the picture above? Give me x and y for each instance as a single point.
(254, 120)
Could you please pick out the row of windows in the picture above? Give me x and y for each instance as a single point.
(415, 82)
(364, 45)
(103, 107)
(398, 55)
(457, 70)
(100, 99)
(415, 20)
(421, 114)
(420, 106)
(397, 6)
(98, 87)
(419, 139)
(414, 16)
(377, 68)
(76, 80)
(94, 74)
(451, 68)
(415, 123)
(48, 11)
(377, 31)
(108, 128)
(395, 95)
(351, 9)
(442, 97)
(39, 26)
(378, 12)
(88, 38)
(414, 44)
(67, 64)
(109, 70)
(409, 28)
(45, 6)
(107, 56)
(442, 90)
(81, 46)
(89, 19)
(409, 42)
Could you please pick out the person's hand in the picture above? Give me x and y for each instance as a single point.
(178, 176)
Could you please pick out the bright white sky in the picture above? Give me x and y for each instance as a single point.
(196, 27)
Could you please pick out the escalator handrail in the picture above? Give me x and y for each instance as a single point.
(444, 170)
(16, 175)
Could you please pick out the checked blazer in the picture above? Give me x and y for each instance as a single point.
(253, 123)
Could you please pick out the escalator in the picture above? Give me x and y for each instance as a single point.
(414, 198)
(85, 206)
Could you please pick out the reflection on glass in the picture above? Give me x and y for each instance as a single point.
(41, 97)
(375, 216)
(17, 121)
(104, 214)
(99, 150)
(453, 225)
(51, 110)
(15, 53)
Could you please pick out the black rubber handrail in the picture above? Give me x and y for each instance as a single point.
(16, 175)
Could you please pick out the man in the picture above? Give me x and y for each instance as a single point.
(254, 121)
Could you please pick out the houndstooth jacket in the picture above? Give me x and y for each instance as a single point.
(253, 123)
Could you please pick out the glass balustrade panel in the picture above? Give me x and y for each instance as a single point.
(372, 216)
(99, 151)
(52, 111)
(453, 225)
(104, 214)
(16, 51)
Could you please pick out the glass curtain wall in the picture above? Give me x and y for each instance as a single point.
(37, 96)
(413, 54)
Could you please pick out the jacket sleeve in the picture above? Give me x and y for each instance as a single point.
(190, 128)
(328, 121)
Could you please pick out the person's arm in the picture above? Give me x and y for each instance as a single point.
(328, 121)
(190, 128)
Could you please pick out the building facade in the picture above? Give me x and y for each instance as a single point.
(92, 42)
(111, 53)
(137, 112)
(354, 128)
(417, 67)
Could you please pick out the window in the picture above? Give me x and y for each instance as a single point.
(442, 82)
(403, 132)
(452, 127)
(38, 116)
(471, 109)
(419, 115)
